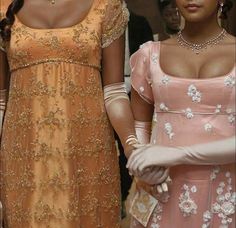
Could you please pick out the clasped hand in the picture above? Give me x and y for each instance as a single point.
(144, 163)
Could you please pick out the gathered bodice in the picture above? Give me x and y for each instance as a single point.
(81, 43)
(193, 108)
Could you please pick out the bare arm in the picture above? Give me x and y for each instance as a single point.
(141, 109)
(4, 72)
(118, 109)
(4, 83)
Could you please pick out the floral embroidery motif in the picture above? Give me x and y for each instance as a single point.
(194, 93)
(225, 203)
(208, 127)
(229, 81)
(218, 108)
(154, 58)
(231, 119)
(214, 173)
(165, 80)
(188, 113)
(186, 203)
(156, 217)
(207, 216)
(231, 116)
(163, 107)
(155, 117)
(169, 132)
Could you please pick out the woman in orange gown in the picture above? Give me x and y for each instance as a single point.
(59, 161)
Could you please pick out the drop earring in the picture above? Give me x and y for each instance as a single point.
(221, 7)
(177, 11)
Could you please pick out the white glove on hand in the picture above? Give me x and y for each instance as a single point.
(212, 153)
(154, 175)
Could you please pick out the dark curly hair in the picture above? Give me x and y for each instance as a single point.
(8, 21)
(228, 4)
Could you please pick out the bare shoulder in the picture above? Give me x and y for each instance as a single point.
(230, 38)
(228, 45)
(170, 42)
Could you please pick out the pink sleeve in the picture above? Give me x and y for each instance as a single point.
(140, 73)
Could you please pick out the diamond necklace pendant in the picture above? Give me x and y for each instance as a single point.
(197, 48)
(52, 1)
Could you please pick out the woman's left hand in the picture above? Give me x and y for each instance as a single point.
(153, 155)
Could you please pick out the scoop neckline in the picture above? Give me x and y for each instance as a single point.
(59, 28)
(190, 79)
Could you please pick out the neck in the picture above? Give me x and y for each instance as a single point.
(171, 31)
(201, 31)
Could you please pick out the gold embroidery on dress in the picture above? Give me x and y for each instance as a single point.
(59, 162)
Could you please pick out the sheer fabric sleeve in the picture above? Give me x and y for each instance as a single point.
(140, 73)
(115, 22)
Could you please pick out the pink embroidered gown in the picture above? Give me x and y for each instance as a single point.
(59, 162)
(187, 112)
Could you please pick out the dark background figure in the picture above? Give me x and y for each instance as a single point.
(170, 17)
(139, 32)
(148, 9)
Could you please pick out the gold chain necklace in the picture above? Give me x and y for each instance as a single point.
(52, 1)
(197, 48)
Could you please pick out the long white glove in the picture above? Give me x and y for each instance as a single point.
(143, 131)
(120, 114)
(155, 175)
(212, 153)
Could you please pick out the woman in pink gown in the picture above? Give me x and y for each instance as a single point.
(192, 94)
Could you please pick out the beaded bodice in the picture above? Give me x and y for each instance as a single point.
(81, 43)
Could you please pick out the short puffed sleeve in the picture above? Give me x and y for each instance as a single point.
(140, 73)
(114, 22)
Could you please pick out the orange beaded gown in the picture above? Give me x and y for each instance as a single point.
(58, 159)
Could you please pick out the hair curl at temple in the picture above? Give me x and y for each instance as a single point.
(7, 22)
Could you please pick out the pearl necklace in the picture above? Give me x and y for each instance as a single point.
(197, 48)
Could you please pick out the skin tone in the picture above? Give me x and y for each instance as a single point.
(43, 14)
(201, 24)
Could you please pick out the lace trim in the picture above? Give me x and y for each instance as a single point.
(116, 33)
